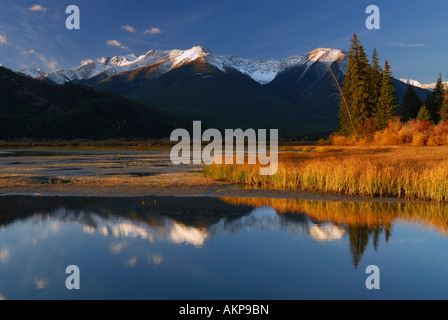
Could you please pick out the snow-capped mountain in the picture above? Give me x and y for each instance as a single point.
(262, 71)
(32, 73)
(427, 86)
(296, 95)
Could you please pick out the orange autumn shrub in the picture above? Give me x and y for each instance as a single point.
(419, 139)
(389, 136)
(339, 141)
(407, 131)
(414, 133)
(440, 134)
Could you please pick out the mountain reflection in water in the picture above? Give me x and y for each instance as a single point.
(178, 248)
(152, 220)
(193, 221)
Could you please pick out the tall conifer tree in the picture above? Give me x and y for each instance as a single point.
(443, 113)
(411, 105)
(376, 78)
(424, 114)
(387, 107)
(356, 108)
(436, 100)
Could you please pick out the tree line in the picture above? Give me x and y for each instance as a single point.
(369, 98)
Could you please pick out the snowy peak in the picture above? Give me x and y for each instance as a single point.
(259, 70)
(262, 71)
(114, 65)
(414, 83)
(427, 86)
(179, 58)
(32, 73)
(327, 55)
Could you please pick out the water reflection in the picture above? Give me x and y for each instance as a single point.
(194, 221)
(152, 221)
(198, 224)
(4, 255)
(362, 221)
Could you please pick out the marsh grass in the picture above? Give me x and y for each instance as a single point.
(403, 172)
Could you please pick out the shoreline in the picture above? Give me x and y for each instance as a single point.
(232, 191)
(111, 173)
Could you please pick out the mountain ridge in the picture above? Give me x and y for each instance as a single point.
(262, 71)
(297, 95)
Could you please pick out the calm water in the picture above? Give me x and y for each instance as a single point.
(205, 248)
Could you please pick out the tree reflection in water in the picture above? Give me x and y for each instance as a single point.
(197, 220)
(363, 220)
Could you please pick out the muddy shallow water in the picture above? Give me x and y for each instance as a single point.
(123, 173)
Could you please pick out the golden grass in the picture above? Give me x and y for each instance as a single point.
(403, 172)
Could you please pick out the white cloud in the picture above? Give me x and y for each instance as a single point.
(2, 39)
(4, 255)
(153, 30)
(41, 283)
(115, 43)
(53, 66)
(131, 263)
(407, 45)
(117, 248)
(28, 52)
(156, 259)
(48, 63)
(37, 8)
(130, 29)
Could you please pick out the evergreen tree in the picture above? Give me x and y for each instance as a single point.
(356, 106)
(376, 78)
(411, 105)
(387, 107)
(424, 114)
(427, 100)
(443, 113)
(436, 100)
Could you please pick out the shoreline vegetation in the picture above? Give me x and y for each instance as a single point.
(396, 168)
(405, 172)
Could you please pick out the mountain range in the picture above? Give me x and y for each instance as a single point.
(297, 95)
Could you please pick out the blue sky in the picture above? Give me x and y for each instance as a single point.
(413, 34)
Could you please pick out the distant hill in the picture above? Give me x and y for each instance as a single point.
(34, 109)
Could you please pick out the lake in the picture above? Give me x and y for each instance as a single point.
(197, 248)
